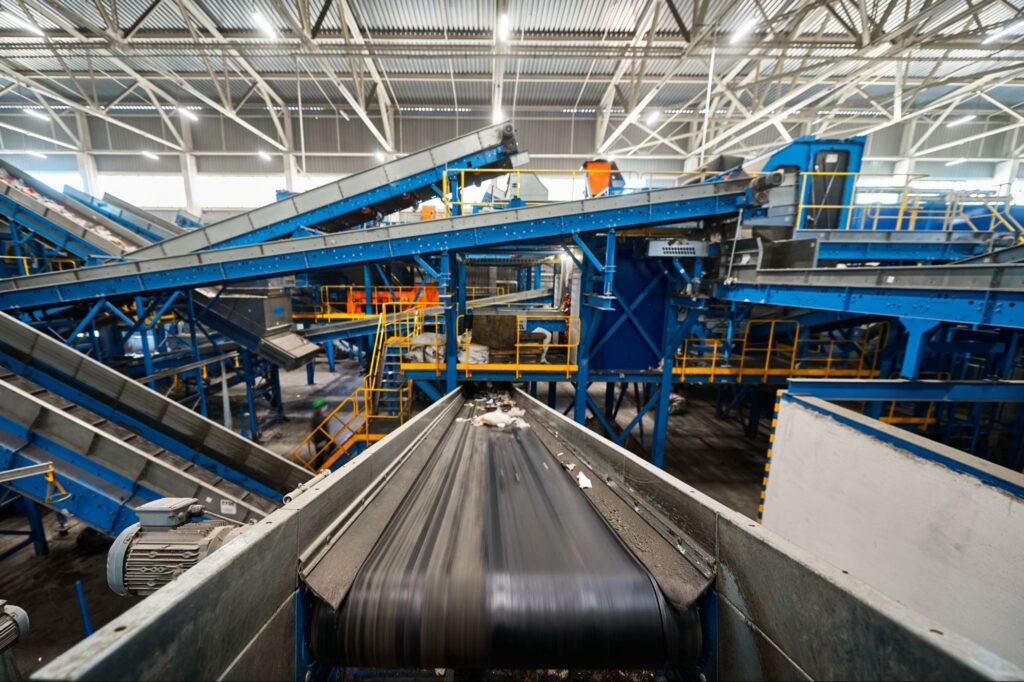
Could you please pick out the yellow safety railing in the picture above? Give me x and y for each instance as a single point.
(55, 264)
(354, 419)
(348, 301)
(522, 350)
(577, 177)
(782, 354)
(911, 208)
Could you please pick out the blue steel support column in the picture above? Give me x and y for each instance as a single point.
(552, 394)
(588, 325)
(451, 325)
(194, 341)
(675, 332)
(147, 358)
(250, 381)
(453, 185)
(35, 525)
(916, 331)
(609, 399)
(329, 350)
(368, 308)
(460, 284)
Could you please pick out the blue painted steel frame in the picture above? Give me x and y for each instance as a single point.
(101, 510)
(62, 385)
(909, 391)
(274, 263)
(50, 232)
(122, 217)
(996, 308)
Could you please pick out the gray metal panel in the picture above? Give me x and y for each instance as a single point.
(32, 205)
(149, 217)
(329, 193)
(164, 414)
(822, 621)
(45, 419)
(63, 199)
(233, 595)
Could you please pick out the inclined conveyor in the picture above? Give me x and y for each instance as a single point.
(61, 221)
(148, 226)
(535, 223)
(355, 199)
(87, 452)
(62, 370)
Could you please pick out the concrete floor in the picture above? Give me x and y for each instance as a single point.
(709, 453)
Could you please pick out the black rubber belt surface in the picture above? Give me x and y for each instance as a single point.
(496, 560)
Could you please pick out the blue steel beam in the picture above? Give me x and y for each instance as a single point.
(906, 251)
(991, 307)
(95, 500)
(121, 216)
(535, 223)
(902, 390)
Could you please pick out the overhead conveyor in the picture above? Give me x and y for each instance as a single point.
(65, 372)
(355, 199)
(60, 220)
(535, 223)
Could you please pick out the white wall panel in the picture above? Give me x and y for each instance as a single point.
(865, 497)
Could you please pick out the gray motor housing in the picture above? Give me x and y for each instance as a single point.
(13, 625)
(165, 543)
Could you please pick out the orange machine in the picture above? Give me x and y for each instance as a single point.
(603, 177)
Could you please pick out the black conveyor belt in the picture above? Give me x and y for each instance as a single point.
(495, 559)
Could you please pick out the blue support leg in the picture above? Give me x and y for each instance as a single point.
(329, 349)
(552, 394)
(35, 525)
(916, 343)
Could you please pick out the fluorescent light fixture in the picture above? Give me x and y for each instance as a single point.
(955, 162)
(1007, 30)
(264, 25)
(190, 115)
(498, 116)
(151, 156)
(653, 117)
(263, 155)
(36, 114)
(504, 30)
(379, 155)
(962, 120)
(23, 23)
(38, 155)
(741, 32)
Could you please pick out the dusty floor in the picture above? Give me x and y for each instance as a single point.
(711, 454)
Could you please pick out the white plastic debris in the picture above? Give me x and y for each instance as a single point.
(582, 479)
(517, 412)
(570, 466)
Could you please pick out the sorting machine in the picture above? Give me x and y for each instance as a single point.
(471, 548)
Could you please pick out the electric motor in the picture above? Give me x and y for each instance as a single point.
(13, 625)
(165, 543)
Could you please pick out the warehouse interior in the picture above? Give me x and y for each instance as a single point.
(511, 339)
